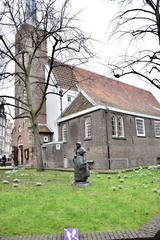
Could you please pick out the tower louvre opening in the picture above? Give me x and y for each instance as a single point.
(31, 9)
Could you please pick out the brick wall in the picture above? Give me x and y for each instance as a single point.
(24, 46)
(127, 152)
(53, 155)
(96, 146)
(132, 151)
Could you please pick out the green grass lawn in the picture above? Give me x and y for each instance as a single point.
(121, 201)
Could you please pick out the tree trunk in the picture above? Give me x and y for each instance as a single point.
(37, 145)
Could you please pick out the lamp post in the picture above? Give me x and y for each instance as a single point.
(61, 95)
(2, 126)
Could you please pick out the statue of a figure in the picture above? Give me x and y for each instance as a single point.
(81, 171)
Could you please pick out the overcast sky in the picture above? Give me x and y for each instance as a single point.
(95, 18)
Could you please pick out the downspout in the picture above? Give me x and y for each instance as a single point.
(107, 141)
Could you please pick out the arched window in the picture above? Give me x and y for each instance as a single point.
(88, 128)
(114, 126)
(24, 96)
(19, 141)
(64, 133)
(120, 126)
(117, 126)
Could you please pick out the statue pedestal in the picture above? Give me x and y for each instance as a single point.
(81, 184)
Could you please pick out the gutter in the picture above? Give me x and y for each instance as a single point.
(83, 112)
(132, 113)
(106, 108)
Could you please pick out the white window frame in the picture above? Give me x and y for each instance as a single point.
(115, 125)
(121, 125)
(64, 133)
(155, 128)
(69, 98)
(143, 127)
(45, 139)
(88, 128)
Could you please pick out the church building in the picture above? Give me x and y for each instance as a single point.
(63, 92)
(118, 124)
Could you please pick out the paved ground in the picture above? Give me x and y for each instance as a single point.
(150, 231)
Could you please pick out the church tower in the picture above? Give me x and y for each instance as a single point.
(31, 17)
(28, 38)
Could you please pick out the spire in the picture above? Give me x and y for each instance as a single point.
(31, 17)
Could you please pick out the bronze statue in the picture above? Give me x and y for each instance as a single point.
(81, 171)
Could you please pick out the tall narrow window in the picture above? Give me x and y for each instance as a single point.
(120, 126)
(140, 127)
(117, 126)
(20, 106)
(69, 98)
(24, 96)
(114, 126)
(64, 133)
(88, 128)
(157, 128)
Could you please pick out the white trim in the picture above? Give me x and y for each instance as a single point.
(53, 142)
(45, 139)
(132, 113)
(143, 127)
(92, 109)
(86, 96)
(116, 119)
(74, 115)
(52, 77)
(114, 124)
(121, 125)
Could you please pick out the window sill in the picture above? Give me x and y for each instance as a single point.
(119, 138)
(139, 136)
(87, 139)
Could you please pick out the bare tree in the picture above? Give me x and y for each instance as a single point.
(139, 21)
(26, 27)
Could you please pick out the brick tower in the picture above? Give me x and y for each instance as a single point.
(27, 38)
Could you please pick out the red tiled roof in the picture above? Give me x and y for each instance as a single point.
(44, 129)
(80, 103)
(113, 93)
(64, 75)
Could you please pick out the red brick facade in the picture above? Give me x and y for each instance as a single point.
(106, 151)
(23, 141)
